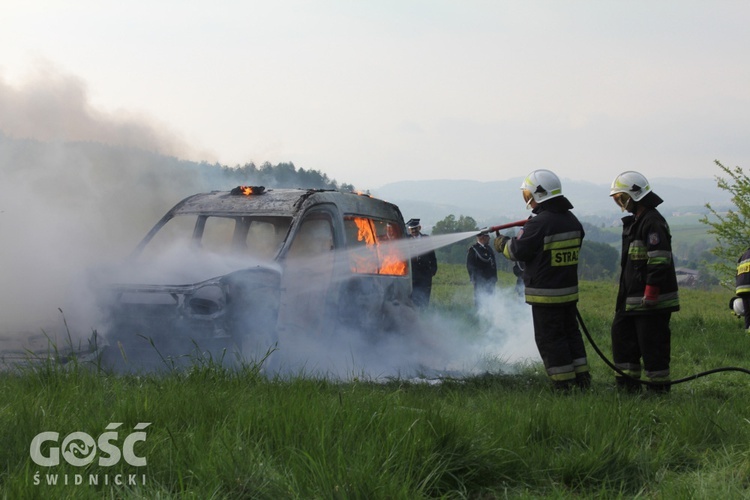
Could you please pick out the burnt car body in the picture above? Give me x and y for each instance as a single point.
(235, 275)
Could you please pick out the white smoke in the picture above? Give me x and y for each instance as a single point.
(52, 106)
(426, 345)
(67, 201)
(508, 336)
(80, 187)
(433, 346)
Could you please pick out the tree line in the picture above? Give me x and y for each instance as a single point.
(281, 175)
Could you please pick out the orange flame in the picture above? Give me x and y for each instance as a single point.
(391, 264)
(381, 259)
(365, 233)
(247, 190)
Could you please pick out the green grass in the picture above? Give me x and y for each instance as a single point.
(235, 434)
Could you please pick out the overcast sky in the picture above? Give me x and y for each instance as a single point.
(388, 90)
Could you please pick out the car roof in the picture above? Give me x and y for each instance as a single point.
(272, 202)
(282, 202)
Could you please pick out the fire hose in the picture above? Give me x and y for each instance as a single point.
(495, 229)
(598, 351)
(648, 382)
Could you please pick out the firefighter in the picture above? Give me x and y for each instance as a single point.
(548, 246)
(423, 268)
(482, 268)
(648, 287)
(741, 303)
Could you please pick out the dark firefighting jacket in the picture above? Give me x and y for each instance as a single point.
(549, 244)
(646, 259)
(742, 280)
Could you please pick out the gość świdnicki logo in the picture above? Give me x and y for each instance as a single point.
(80, 449)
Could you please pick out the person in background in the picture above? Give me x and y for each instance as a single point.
(423, 268)
(482, 268)
(548, 246)
(647, 295)
(741, 303)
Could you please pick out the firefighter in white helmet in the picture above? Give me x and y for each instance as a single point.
(549, 246)
(647, 294)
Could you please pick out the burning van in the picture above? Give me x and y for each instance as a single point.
(235, 275)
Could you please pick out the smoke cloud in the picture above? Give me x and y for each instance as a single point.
(426, 345)
(435, 346)
(52, 106)
(80, 187)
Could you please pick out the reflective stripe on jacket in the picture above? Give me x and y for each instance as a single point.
(646, 259)
(742, 280)
(549, 244)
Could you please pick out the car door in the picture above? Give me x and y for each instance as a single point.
(307, 279)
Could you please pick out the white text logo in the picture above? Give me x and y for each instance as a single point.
(80, 448)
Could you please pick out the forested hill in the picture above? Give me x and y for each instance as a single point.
(45, 161)
(89, 184)
(142, 185)
(94, 201)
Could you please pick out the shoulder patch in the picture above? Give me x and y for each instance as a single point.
(653, 239)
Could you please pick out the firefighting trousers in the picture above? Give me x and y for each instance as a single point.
(559, 341)
(643, 336)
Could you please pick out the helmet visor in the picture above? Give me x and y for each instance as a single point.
(623, 200)
(527, 197)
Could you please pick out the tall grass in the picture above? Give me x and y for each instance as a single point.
(218, 433)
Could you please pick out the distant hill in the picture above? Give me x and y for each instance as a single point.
(498, 201)
(140, 186)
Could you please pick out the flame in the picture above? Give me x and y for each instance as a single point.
(247, 190)
(365, 233)
(376, 258)
(392, 264)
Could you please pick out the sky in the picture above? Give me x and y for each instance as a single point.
(383, 91)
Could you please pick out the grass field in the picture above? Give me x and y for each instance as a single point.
(236, 434)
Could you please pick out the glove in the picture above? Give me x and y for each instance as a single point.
(500, 243)
(650, 296)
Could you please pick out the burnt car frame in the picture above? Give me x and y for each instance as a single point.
(299, 263)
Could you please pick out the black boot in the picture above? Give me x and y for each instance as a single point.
(563, 386)
(583, 380)
(629, 385)
(659, 388)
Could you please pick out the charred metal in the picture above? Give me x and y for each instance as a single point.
(235, 275)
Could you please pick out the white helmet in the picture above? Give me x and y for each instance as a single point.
(541, 185)
(631, 183)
